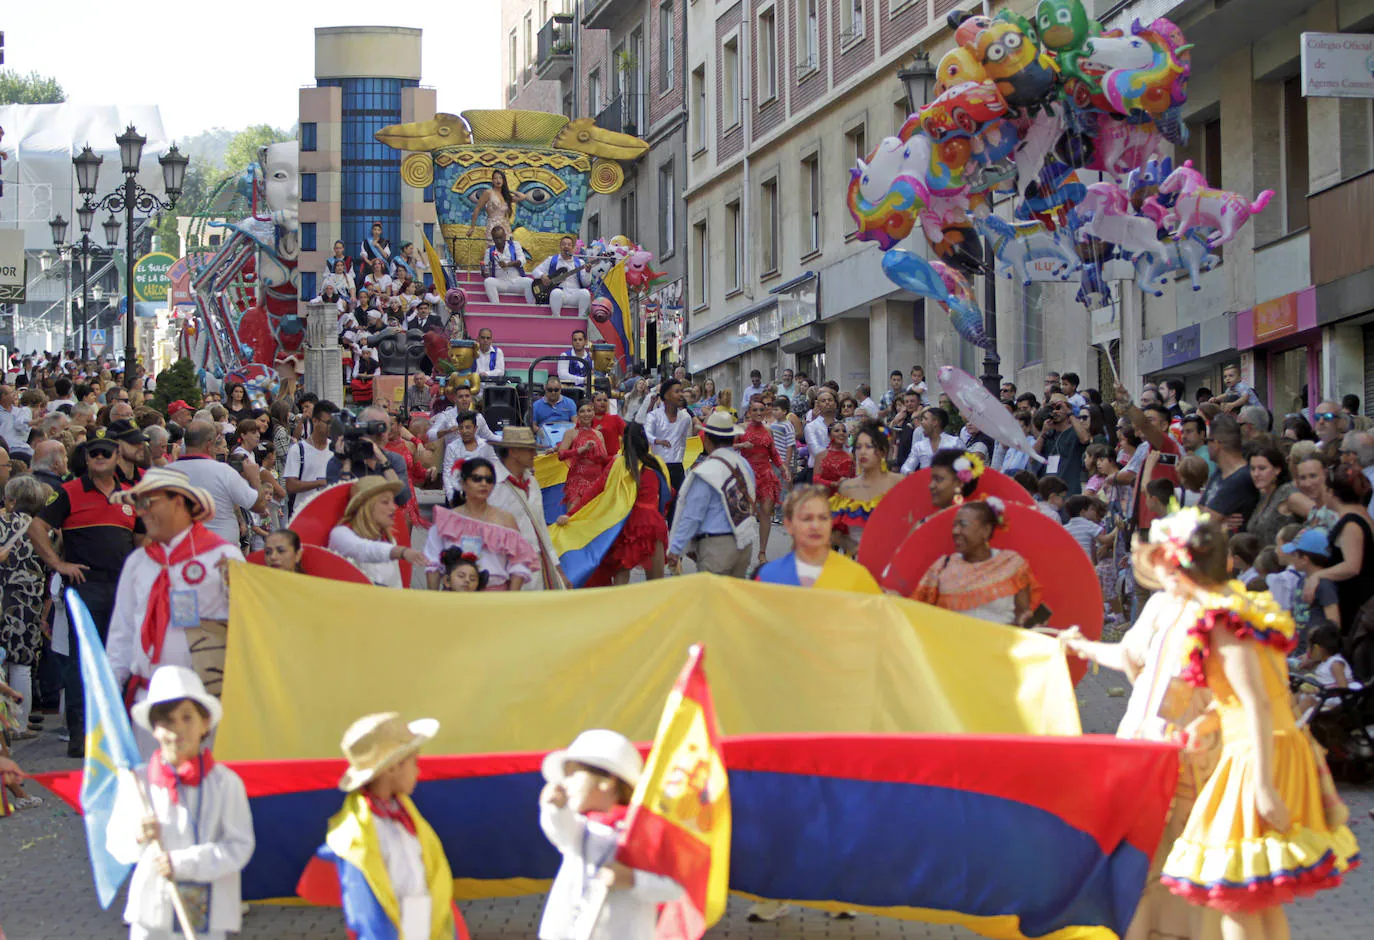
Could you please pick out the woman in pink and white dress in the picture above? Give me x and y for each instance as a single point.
(481, 529)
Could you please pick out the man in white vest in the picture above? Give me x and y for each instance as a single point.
(518, 493)
(715, 507)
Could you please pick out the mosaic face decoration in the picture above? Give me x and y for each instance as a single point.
(555, 162)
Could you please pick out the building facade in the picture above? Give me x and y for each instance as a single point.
(621, 63)
(366, 77)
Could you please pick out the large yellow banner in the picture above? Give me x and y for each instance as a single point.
(527, 672)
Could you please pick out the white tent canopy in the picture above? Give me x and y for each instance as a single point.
(42, 139)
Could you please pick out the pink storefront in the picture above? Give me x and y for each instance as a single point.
(1286, 342)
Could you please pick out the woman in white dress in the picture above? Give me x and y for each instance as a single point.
(363, 534)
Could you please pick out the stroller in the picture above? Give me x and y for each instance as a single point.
(1342, 722)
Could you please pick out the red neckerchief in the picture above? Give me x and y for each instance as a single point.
(159, 612)
(190, 772)
(391, 809)
(520, 484)
(611, 817)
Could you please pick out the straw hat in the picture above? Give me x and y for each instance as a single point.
(377, 742)
(365, 489)
(171, 684)
(164, 478)
(517, 436)
(720, 424)
(605, 750)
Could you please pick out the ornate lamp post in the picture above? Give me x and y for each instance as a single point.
(918, 79)
(126, 199)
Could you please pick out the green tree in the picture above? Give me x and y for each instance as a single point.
(29, 89)
(177, 382)
(243, 148)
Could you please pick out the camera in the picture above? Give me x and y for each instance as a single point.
(357, 448)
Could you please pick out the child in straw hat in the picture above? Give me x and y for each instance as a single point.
(582, 811)
(199, 835)
(393, 875)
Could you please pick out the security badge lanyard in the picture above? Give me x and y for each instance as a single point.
(195, 895)
(591, 896)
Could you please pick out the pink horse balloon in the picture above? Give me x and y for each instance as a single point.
(981, 407)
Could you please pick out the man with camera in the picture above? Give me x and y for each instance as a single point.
(1062, 441)
(361, 452)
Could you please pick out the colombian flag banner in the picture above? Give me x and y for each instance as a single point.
(679, 821)
(619, 328)
(584, 540)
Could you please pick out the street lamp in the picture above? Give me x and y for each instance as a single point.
(126, 199)
(78, 250)
(918, 79)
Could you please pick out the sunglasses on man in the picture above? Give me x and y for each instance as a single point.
(1327, 416)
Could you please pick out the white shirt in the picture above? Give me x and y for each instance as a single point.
(306, 463)
(489, 368)
(58, 403)
(869, 406)
(586, 846)
(456, 450)
(555, 263)
(921, 453)
(448, 418)
(228, 488)
(565, 373)
(817, 435)
(659, 428)
(124, 648)
(405, 866)
(748, 394)
(14, 428)
(526, 508)
(208, 834)
(373, 557)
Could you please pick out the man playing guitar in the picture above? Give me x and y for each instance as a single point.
(553, 271)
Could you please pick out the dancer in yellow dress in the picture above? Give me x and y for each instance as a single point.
(1262, 831)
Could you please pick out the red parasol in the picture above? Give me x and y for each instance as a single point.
(907, 503)
(1068, 580)
(321, 563)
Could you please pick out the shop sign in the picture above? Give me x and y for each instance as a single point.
(1276, 318)
(12, 273)
(1182, 346)
(151, 281)
(1338, 65)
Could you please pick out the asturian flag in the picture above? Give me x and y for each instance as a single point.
(679, 819)
(110, 748)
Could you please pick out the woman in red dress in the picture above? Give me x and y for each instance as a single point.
(756, 444)
(400, 441)
(584, 451)
(835, 463)
(644, 537)
(612, 427)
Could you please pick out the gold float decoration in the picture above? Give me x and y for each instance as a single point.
(417, 170)
(606, 177)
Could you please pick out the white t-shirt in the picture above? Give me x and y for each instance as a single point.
(807, 574)
(305, 463)
(228, 488)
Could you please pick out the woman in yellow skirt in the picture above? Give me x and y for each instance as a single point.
(1262, 832)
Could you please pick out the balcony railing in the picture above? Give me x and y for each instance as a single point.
(555, 48)
(621, 114)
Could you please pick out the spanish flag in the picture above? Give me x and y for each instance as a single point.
(679, 819)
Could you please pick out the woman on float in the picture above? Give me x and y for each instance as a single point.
(1263, 830)
(1153, 654)
(584, 451)
(481, 529)
(363, 535)
(811, 563)
(857, 497)
(979, 580)
(756, 445)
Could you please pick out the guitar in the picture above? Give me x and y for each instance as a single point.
(541, 293)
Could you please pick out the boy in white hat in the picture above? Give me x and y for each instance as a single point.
(200, 834)
(394, 878)
(582, 811)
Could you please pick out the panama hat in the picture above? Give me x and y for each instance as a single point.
(366, 488)
(377, 742)
(720, 424)
(605, 750)
(163, 478)
(517, 436)
(171, 684)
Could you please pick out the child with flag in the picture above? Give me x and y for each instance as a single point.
(582, 811)
(191, 832)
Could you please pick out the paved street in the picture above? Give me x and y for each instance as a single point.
(46, 892)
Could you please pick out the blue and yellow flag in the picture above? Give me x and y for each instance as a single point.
(110, 748)
(583, 541)
(619, 329)
(679, 821)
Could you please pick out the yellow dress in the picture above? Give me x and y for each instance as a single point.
(1228, 857)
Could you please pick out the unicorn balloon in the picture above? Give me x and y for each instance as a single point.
(942, 284)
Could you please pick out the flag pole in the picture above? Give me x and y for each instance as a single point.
(178, 903)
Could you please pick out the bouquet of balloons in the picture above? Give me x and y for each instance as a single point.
(1069, 120)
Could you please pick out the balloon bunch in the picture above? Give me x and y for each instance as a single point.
(1068, 120)
(604, 255)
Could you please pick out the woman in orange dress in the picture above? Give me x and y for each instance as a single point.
(979, 580)
(584, 451)
(756, 444)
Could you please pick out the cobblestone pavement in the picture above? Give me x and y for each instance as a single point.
(46, 891)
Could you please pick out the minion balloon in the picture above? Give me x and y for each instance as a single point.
(1011, 57)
